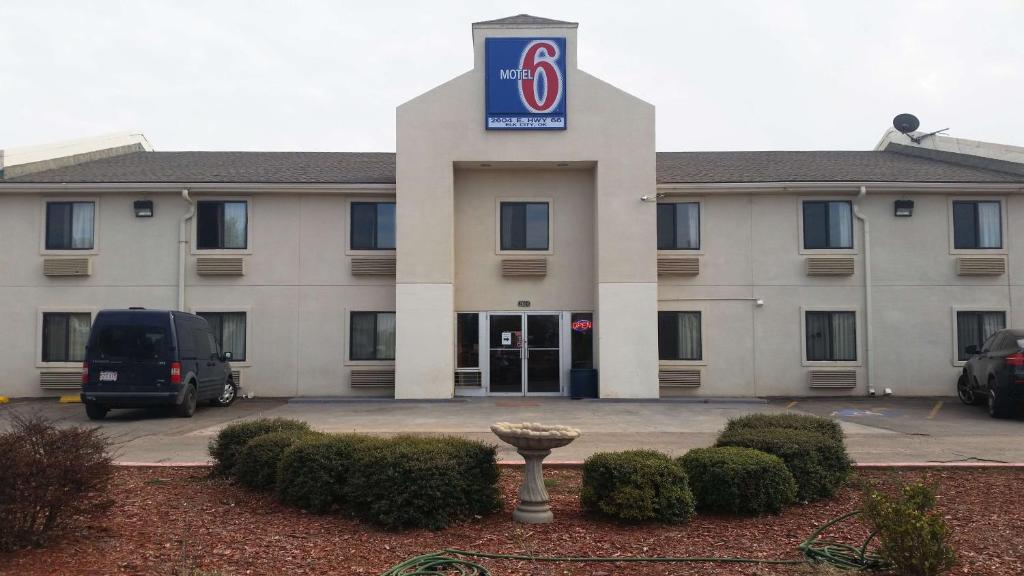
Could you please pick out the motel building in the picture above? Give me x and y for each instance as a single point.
(525, 233)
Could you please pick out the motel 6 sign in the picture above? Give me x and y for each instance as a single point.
(525, 83)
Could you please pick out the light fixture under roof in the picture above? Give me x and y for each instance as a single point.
(485, 165)
(562, 164)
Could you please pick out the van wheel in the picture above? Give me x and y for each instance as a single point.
(998, 407)
(227, 396)
(188, 405)
(95, 412)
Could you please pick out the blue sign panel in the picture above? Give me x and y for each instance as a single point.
(525, 83)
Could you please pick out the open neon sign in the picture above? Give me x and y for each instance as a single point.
(582, 325)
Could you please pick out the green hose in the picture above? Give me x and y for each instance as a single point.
(452, 561)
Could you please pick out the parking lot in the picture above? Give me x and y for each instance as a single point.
(883, 430)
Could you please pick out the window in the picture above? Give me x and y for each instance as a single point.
(582, 340)
(228, 332)
(831, 336)
(977, 225)
(373, 226)
(222, 225)
(679, 226)
(828, 225)
(372, 336)
(70, 225)
(679, 336)
(467, 340)
(65, 335)
(524, 226)
(974, 328)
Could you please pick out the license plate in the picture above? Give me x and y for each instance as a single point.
(108, 376)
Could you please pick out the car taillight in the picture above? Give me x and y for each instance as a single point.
(85, 372)
(175, 372)
(1015, 359)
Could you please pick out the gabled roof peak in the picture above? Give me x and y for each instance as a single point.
(525, 21)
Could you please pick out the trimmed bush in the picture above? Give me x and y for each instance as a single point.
(636, 486)
(229, 442)
(738, 480)
(257, 463)
(412, 481)
(825, 426)
(50, 476)
(313, 472)
(911, 535)
(818, 464)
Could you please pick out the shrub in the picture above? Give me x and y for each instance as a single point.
(636, 486)
(313, 473)
(49, 477)
(738, 480)
(229, 442)
(911, 536)
(256, 466)
(825, 426)
(411, 481)
(818, 464)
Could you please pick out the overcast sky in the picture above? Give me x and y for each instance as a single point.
(327, 75)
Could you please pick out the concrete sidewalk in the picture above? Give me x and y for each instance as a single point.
(878, 430)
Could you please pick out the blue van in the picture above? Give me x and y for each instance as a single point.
(141, 358)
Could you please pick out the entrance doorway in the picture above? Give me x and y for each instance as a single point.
(525, 353)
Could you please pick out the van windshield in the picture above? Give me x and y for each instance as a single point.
(130, 342)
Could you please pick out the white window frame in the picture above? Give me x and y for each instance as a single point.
(95, 226)
(953, 325)
(497, 225)
(347, 227)
(1003, 222)
(248, 329)
(858, 326)
(250, 235)
(699, 201)
(685, 307)
(347, 337)
(826, 251)
(91, 311)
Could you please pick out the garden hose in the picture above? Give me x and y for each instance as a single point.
(454, 562)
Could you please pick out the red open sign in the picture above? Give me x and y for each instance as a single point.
(582, 325)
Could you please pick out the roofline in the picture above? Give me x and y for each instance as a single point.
(838, 187)
(175, 187)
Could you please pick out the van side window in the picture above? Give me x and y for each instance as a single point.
(202, 342)
(213, 344)
(186, 349)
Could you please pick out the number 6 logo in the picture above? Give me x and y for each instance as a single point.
(541, 89)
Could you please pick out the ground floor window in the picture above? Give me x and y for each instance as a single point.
(582, 340)
(467, 340)
(228, 332)
(679, 336)
(831, 336)
(974, 328)
(372, 336)
(65, 335)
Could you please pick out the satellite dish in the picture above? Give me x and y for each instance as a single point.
(906, 123)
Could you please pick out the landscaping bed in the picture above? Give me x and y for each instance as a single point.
(180, 521)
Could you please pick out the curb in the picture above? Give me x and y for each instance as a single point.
(578, 463)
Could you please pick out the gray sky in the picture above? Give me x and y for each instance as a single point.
(327, 75)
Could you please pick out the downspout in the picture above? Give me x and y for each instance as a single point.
(867, 285)
(182, 241)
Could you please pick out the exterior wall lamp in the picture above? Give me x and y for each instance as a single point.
(143, 208)
(904, 208)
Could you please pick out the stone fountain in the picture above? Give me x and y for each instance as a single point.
(534, 443)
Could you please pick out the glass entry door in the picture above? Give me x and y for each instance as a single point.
(525, 353)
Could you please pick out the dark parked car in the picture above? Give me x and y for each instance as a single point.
(995, 374)
(141, 358)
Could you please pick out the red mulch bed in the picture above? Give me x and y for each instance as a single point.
(176, 521)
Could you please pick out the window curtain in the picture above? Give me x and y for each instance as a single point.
(233, 334)
(537, 226)
(840, 225)
(991, 322)
(688, 327)
(385, 336)
(688, 225)
(234, 225)
(362, 347)
(82, 225)
(385, 226)
(54, 336)
(844, 336)
(819, 337)
(989, 225)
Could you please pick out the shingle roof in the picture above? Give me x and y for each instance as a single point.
(817, 166)
(379, 168)
(525, 20)
(229, 167)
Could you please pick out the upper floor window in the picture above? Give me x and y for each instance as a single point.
(373, 226)
(222, 225)
(70, 225)
(372, 336)
(975, 328)
(228, 332)
(831, 336)
(977, 224)
(679, 226)
(679, 336)
(65, 335)
(828, 224)
(524, 226)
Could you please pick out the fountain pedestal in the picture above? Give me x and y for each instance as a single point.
(534, 443)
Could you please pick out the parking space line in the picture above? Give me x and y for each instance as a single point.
(791, 404)
(935, 410)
